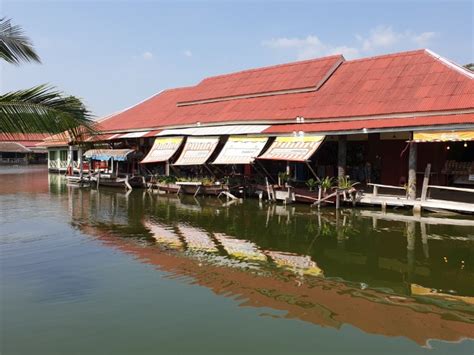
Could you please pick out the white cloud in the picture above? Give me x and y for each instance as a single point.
(147, 55)
(423, 39)
(385, 37)
(381, 36)
(188, 53)
(310, 47)
(380, 39)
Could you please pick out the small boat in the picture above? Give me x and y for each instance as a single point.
(126, 181)
(189, 187)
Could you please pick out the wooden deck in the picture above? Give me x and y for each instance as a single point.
(402, 201)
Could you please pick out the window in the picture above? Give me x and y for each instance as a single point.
(53, 155)
(63, 155)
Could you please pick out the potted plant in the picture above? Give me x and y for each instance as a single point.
(326, 184)
(312, 184)
(283, 178)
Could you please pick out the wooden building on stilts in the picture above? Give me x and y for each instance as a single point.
(400, 125)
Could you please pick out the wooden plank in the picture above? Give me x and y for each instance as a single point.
(463, 189)
(426, 179)
(387, 186)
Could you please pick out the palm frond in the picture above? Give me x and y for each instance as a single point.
(42, 109)
(14, 45)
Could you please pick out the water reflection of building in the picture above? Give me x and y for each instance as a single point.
(380, 301)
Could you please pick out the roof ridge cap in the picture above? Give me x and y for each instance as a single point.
(451, 64)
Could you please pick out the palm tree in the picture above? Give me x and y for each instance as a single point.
(41, 108)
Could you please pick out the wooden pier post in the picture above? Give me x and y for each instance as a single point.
(80, 158)
(341, 156)
(412, 171)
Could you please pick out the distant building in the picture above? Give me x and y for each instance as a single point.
(22, 149)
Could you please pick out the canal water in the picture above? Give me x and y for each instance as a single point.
(86, 271)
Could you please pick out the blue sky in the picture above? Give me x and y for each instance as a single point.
(114, 54)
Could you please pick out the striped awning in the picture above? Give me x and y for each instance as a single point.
(293, 148)
(197, 150)
(241, 150)
(443, 136)
(106, 154)
(163, 149)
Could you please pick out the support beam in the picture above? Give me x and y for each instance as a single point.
(412, 158)
(70, 163)
(167, 168)
(80, 158)
(341, 156)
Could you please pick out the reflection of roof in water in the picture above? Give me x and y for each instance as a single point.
(298, 263)
(424, 291)
(197, 239)
(317, 300)
(242, 249)
(163, 234)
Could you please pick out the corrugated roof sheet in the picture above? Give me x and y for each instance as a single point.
(13, 147)
(23, 137)
(283, 77)
(407, 82)
(413, 81)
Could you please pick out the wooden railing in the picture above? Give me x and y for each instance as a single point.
(377, 186)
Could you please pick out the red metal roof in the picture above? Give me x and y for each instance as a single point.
(407, 82)
(373, 124)
(25, 139)
(284, 77)
(413, 81)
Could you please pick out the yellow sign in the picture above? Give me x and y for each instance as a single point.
(443, 136)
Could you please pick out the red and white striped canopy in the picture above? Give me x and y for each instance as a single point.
(197, 150)
(293, 148)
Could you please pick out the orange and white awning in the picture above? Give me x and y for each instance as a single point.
(197, 150)
(443, 136)
(163, 149)
(293, 148)
(241, 150)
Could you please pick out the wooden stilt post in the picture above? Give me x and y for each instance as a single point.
(341, 156)
(81, 162)
(70, 164)
(167, 168)
(412, 171)
(426, 181)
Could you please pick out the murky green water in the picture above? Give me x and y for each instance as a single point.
(102, 272)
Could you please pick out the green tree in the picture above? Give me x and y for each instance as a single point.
(41, 108)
